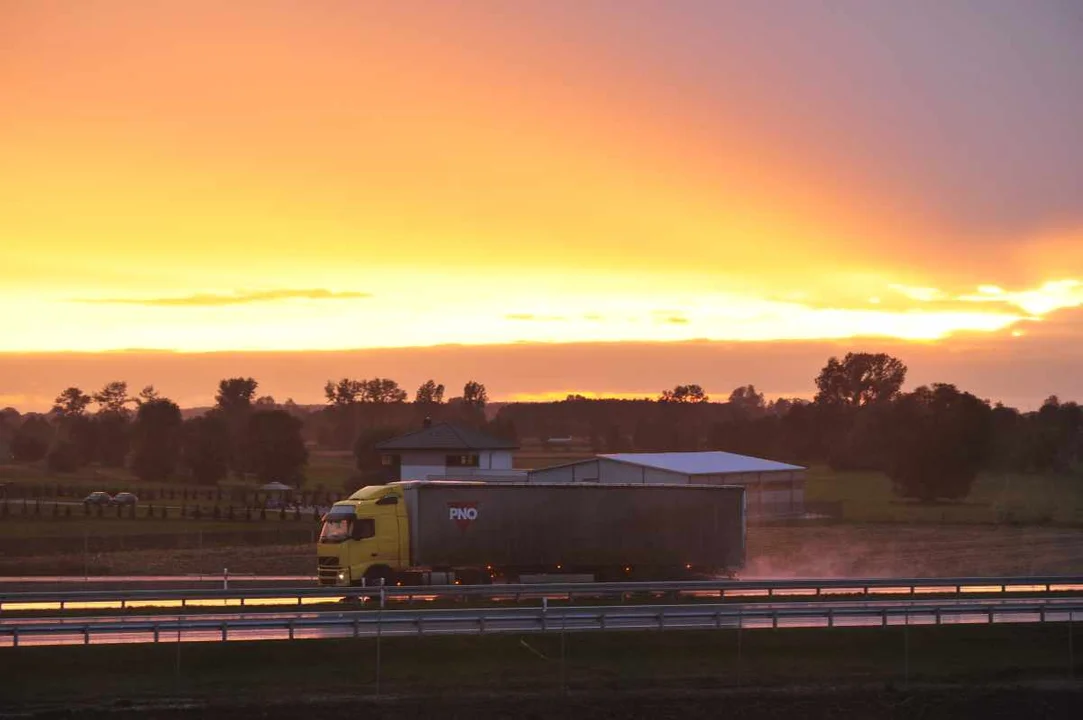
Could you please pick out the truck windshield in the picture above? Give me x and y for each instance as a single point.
(335, 530)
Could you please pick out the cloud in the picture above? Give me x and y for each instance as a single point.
(242, 298)
(531, 317)
(1053, 295)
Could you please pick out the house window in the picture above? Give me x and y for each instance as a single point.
(461, 461)
(389, 460)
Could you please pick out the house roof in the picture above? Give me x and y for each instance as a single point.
(445, 436)
(701, 463)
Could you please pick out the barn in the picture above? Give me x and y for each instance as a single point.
(773, 489)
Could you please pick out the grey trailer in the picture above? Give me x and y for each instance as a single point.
(633, 530)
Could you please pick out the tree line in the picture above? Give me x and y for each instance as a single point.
(931, 441)
(242, 434)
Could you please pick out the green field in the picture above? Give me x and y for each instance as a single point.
(500, 664)
(995, 498)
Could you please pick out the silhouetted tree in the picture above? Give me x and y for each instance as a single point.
(747, 400)
(72, 402)
(156, 439)
(429, 393)
(113, 398)
(369, 461)
(938, 439)
(860, 379)
(31, 440)
(276, 449)
(63, 457)
(344, 392)
(147, 394)
(384, 390)
(111, 431)
(234, 400)
(235, 394)
(475, 395)
(684, 394)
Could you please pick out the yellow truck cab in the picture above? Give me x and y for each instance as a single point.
(364, 538)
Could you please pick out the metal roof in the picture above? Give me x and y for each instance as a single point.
(701, 463)
(445, 436)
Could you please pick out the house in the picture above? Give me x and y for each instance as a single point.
(450, 452)
(773, 489)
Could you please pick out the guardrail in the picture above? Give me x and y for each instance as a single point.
(535, 619)
(122, 599)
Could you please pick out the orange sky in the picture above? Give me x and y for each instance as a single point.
(272, 176)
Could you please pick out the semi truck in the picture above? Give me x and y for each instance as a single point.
(445, 532)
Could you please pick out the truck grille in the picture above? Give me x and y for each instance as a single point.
(328, 561)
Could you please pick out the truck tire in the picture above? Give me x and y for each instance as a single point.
(379, 575)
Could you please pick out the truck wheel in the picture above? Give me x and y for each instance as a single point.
(377, 576)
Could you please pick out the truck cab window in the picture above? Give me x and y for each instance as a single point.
(364, 528)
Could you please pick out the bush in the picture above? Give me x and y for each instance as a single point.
(28, 448)
(63, 458)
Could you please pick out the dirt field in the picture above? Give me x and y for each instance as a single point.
(899, 550)
(892, 550)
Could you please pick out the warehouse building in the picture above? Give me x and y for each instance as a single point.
(773, 489)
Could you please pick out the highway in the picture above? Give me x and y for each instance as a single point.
(297, 625)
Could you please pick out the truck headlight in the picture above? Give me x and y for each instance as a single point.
(342, 576)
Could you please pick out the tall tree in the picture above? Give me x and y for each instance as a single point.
(31, 440)
(112, 437)
(113, 398)
(156, 440)
(684, 394)
(860, 379)
(276, 448)
(938, 439)
(475, 395)
(384, 390)
(344, 392)
(429, 393)
(205, 447)
(72, 402)
(234, 400)
(235, 395)
(147, 394)
(747, 400)
(369, 461)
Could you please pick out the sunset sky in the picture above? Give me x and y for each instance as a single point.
(320, 188)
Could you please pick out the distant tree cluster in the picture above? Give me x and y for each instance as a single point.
(932, 442)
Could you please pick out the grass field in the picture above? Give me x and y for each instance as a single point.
(618, 661)
(995, 498)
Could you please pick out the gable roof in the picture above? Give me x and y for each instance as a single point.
(445, 436)
(702, 463)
